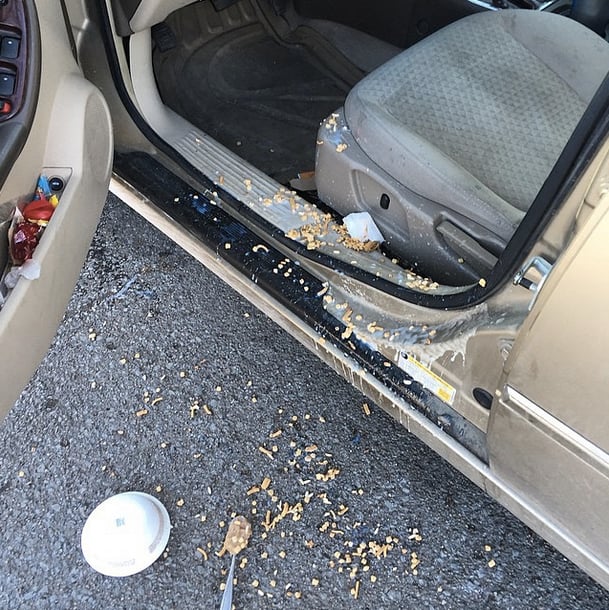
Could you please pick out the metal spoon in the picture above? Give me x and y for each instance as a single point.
(237, 537)
(227, 596)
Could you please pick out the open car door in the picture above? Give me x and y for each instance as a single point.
(53, 123)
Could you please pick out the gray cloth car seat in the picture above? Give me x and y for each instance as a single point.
(448, 143)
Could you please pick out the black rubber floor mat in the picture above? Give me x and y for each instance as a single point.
(261, 99)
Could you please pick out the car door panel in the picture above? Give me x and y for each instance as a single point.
(548, 433)
(20, 65)
(70, 137)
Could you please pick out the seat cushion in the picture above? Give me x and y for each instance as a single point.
(475, 116)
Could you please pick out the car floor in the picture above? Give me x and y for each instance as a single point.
(261, 99)
(161, 379)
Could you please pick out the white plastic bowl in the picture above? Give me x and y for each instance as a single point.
(125, 534)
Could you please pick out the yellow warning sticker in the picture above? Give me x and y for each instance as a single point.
(427, 378)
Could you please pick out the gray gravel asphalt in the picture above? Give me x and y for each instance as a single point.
(147, 323)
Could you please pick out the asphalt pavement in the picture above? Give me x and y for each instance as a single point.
(161, 379)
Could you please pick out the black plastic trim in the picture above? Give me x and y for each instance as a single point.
(123, 11)
(589, 133)
(66, 19)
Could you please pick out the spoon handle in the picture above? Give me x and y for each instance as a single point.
(227, 597)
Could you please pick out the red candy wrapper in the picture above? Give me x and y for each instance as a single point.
(23, 239)
(29, 220)
(39, 211)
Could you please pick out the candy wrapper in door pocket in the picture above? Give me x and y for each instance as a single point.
(41, 208)
(23, 238)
